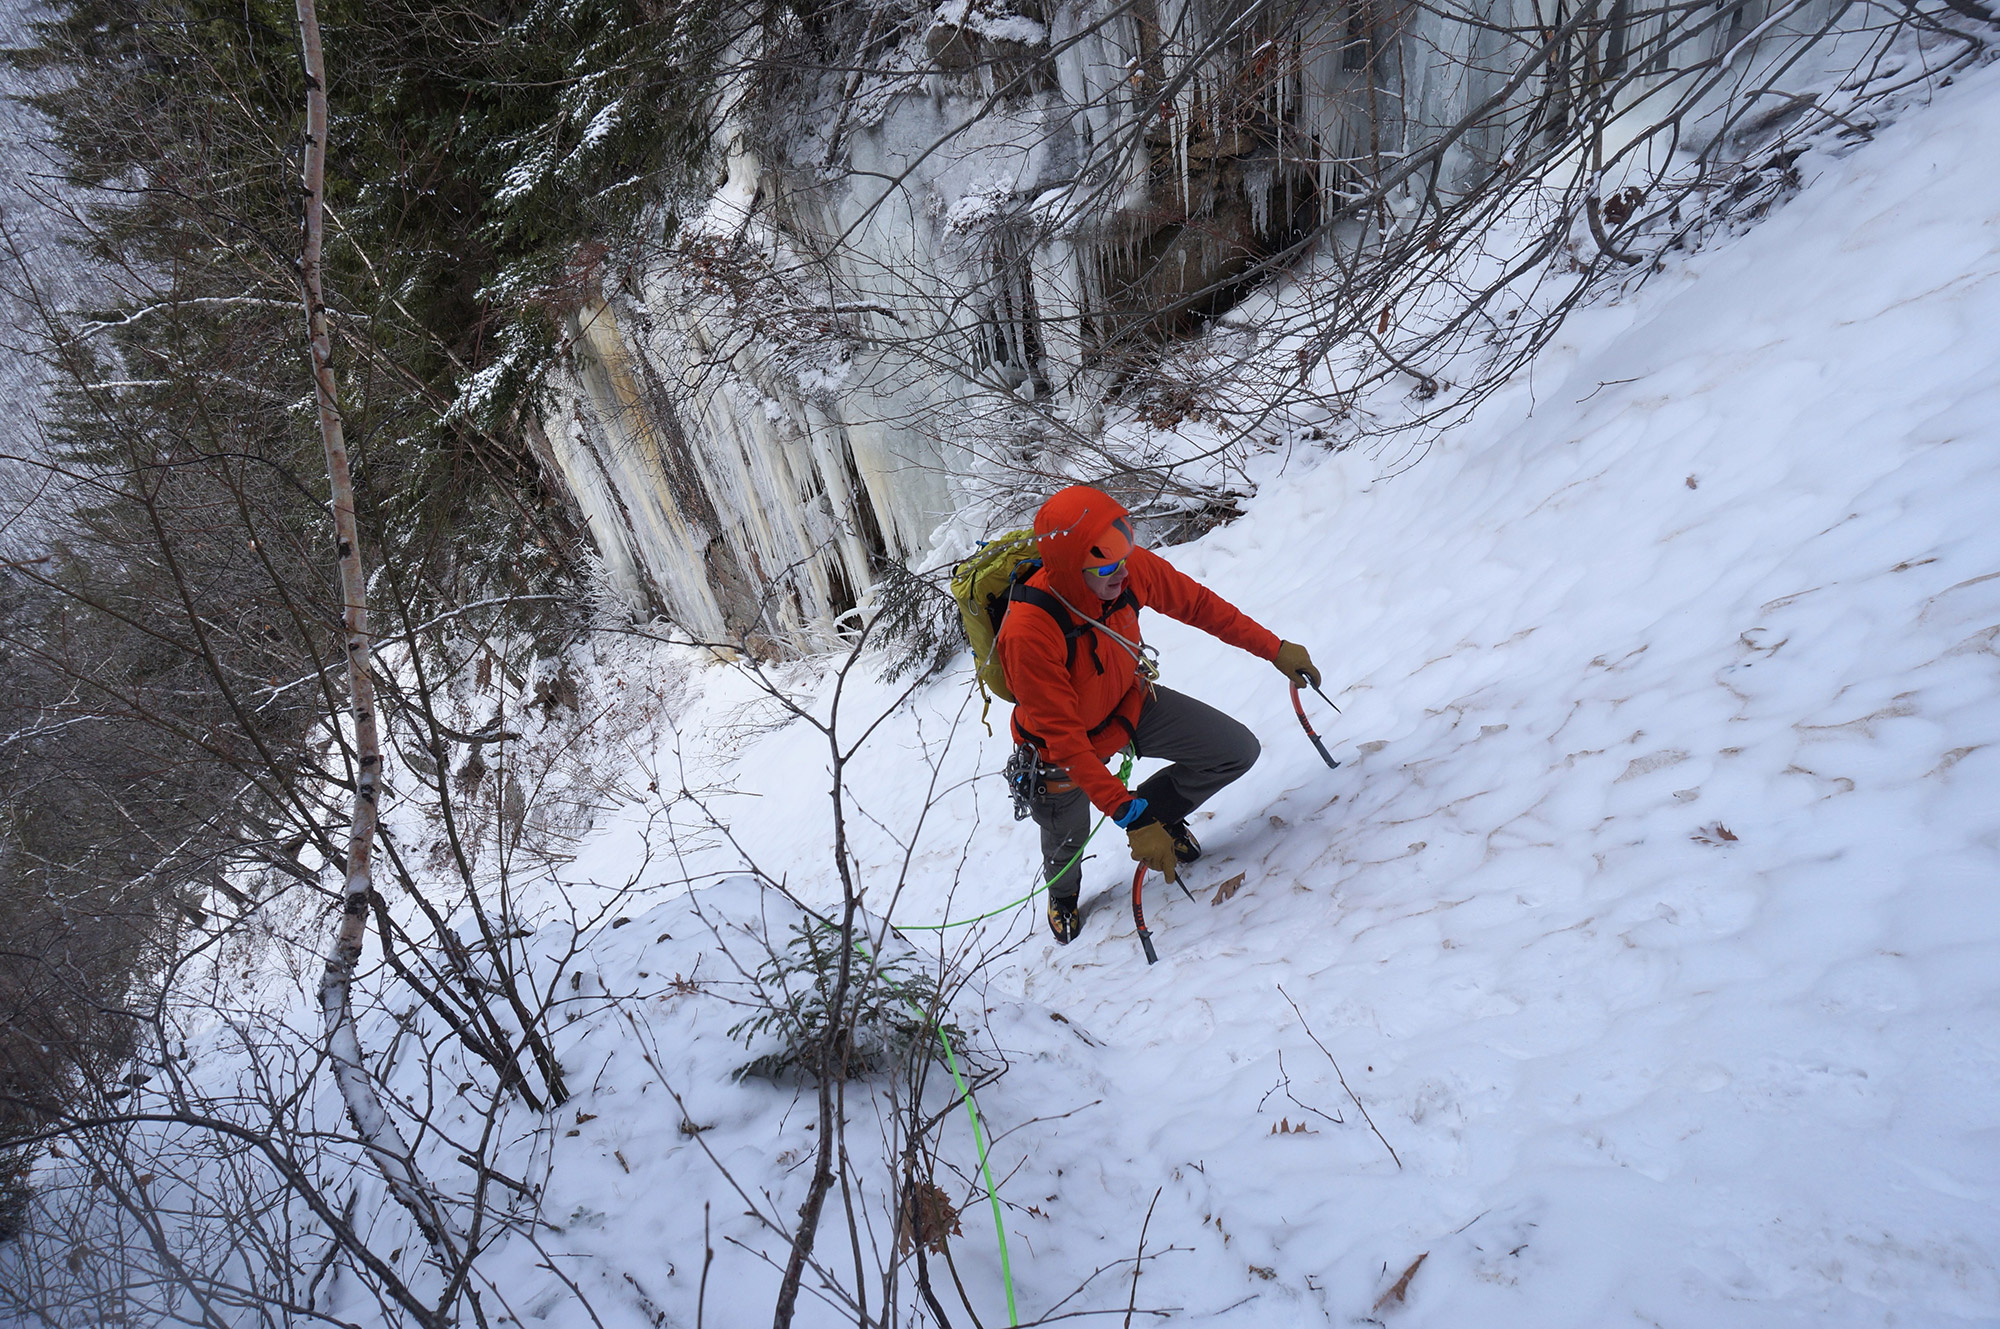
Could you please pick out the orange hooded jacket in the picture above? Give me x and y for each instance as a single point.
(1081, 710)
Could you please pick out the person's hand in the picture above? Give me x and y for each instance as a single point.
(1295, 664)
(1152, 846)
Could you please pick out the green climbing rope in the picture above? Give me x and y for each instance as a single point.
(978, 1134)
(951, 1056)
(986, 1170)
(1124, 774)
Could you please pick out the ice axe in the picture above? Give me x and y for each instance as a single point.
(1139, 917)
(1298, 708)
(1139, 913)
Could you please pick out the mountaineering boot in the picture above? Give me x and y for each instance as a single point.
(1186, 848)
(1065, 921)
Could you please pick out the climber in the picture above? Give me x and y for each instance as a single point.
(1083, 685)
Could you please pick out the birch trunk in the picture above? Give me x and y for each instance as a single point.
(372, 1121)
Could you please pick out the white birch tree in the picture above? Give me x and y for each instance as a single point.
(372, 1121)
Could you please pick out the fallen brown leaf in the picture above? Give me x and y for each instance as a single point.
(1227, 890)
(928, 1218)
(1402, 1287)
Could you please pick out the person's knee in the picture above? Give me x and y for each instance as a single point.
(1243, 749)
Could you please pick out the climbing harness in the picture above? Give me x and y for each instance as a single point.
(1030, 780)
(1299, 709)
(1024, 778)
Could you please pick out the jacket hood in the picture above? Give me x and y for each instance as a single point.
(1073, 531)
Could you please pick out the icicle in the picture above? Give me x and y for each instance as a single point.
(1180, 130)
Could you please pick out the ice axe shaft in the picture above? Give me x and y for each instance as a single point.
(1139, 915)
(1298, 708)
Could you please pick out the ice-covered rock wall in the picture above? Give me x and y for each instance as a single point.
(931, 262)
(721, 490)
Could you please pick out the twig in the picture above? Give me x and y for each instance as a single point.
(519, 1188)
(707, 1259)
(1342, 1078)
(332, 1250)
(1139, 1261)
(647, 1306)
(959, 1283)
(1285, 1083)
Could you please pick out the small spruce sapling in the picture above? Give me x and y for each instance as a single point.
(883, 1022)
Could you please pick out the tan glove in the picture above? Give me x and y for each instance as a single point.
(1152, 846)
(1294, 663)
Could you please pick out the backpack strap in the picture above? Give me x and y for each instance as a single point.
(1072, 630)
(1022, 593)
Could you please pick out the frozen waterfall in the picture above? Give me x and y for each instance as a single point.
(926, 270)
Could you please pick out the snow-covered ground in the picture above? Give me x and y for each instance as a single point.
(1651, 917)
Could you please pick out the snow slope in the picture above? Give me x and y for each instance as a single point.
(1651, 915)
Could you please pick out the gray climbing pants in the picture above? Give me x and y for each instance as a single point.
(1208, 749)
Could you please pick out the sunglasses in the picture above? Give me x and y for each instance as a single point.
(1108, 571)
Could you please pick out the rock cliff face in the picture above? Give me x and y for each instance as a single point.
(947, 239)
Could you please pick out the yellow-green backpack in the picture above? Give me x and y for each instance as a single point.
(981, 585)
